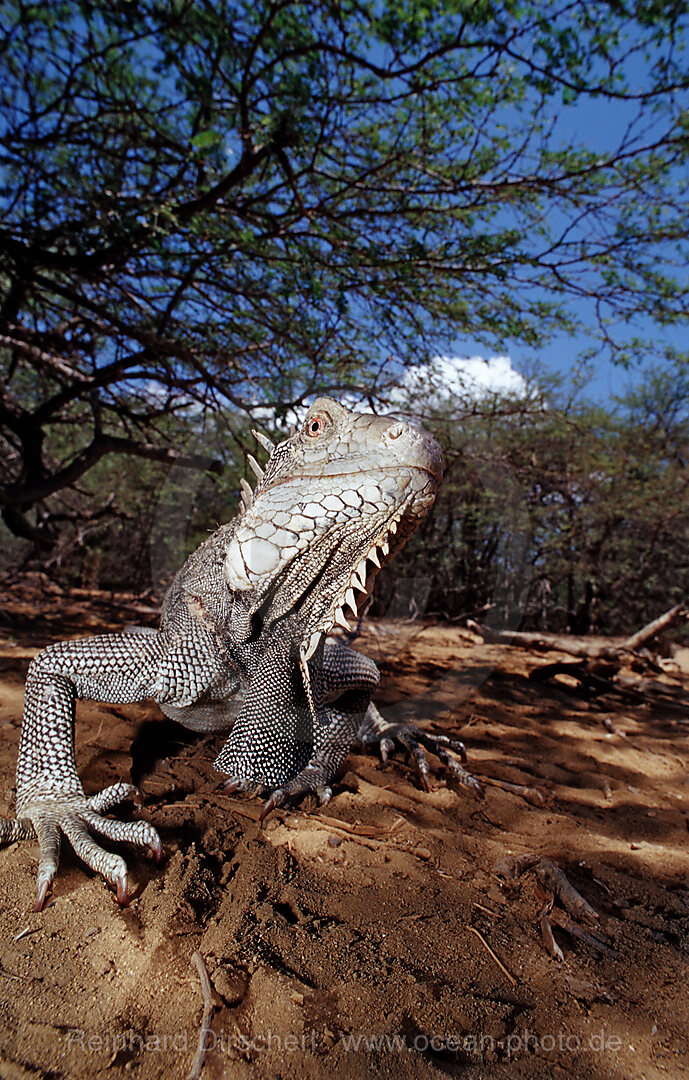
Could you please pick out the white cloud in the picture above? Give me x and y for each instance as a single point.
(473, 377)
(444, 380)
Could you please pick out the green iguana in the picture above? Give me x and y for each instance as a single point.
(242, 641)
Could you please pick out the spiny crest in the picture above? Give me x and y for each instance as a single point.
(247, 495)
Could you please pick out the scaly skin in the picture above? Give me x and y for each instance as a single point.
(241, 645)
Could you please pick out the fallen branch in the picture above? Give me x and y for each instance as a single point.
(557, 885)
(678, 613)
(547, 931)
(554, 878)
(530, 794)
(575, 646)
(513, 866)
(571, 927)
(597, 678)
(546, 642)
(594, 676)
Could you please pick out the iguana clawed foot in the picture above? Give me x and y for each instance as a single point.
(377, 731)
(310, 781)
(46, 817)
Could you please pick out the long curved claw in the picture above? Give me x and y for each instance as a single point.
(308, 782)
(236, 783)
(120, 883)
(156, 849)
(468, 781)
(49, 840)
(276, 799)
(415, 750)
(252, 787)
(386, 748)
(459, 748)
(422, 766)
(41, 893)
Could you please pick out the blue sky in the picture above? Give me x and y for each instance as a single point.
(606, 379)
(599, 125)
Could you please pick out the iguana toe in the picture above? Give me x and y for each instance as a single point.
(16, 829)
(49, 842)
(48, 817)
(290, 794)
(120, 883)
(42, 886)
(248, 787)
(112, 796)
(384, 734)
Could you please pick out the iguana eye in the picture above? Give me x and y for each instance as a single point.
(315, 426)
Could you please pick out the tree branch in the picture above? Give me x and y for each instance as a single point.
(100, 445)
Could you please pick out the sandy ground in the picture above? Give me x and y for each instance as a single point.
(382, 935)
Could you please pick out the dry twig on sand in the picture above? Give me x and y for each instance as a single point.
(497, 959)
(204, 1031)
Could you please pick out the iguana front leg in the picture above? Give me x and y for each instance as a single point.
(345, 671)
(348, 680)
(51, 802)
(285, 756)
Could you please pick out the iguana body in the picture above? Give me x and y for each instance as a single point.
(242, 640)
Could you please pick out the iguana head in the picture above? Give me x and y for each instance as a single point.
(336, 501)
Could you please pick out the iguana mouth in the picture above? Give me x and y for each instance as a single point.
(430, 470)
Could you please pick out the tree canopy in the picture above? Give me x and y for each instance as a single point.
(211, 204)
